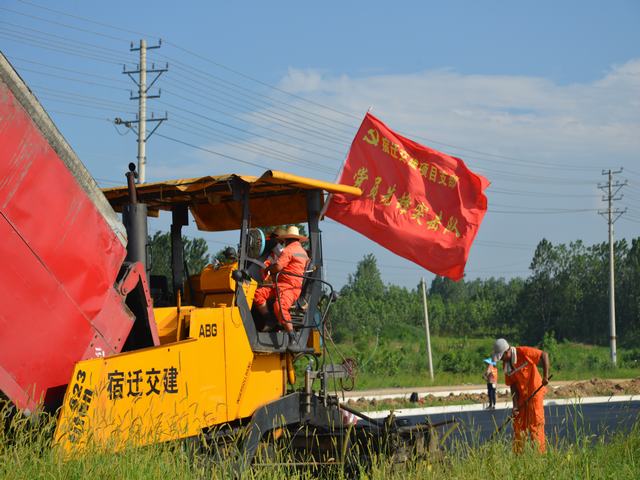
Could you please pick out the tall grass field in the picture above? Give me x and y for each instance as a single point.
(459, 360)
(26, 453)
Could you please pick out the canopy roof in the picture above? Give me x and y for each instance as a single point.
(276, 198)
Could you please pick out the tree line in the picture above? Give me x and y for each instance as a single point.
(565, 296)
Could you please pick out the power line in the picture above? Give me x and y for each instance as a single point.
(77, 96)
(194, 71)
(224, 67)
(71, 79)
(281, 157)
(53, 22)
(62, 40)
(80, 115)
(119, 88)
(68, 70)
(74, 99)
(285, 123)
(525, 193)
(251, 134)
(201, 57)
(210, 81)
(205, 117)
(213, 152)
(70, 46)
(65, 51)
(519, 178)
(545, 212)
(85, 19)
(87, 100)
(67, 101)
(475, 151)
(200, 104)
(481, 243)
(508, 160)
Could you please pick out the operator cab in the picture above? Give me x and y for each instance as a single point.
(222, 203)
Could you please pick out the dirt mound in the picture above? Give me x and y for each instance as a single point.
(632, 386)
(595, 388)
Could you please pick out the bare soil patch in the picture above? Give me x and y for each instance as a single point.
(595, 387)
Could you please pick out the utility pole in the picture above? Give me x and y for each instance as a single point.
(426, 326)
(142, 97)
(611, 189)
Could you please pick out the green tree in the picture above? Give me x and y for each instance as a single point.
(629, 288)
(357, 310)
(537, 300)
(195, 254)
(366, 281)
(566, 293)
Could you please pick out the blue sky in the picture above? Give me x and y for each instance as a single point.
(539, 97)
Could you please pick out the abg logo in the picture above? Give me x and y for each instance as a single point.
(208, 330)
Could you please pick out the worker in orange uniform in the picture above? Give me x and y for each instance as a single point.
(292, 260)
(521, 374)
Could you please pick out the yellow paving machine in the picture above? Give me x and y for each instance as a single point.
(150, 359)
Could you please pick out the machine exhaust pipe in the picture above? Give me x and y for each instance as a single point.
(134, 217)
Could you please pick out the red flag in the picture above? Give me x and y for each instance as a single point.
(421, 204)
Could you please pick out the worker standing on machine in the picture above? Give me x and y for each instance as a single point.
(527, 390)
(286, 290)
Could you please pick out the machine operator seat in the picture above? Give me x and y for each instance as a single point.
(297, 310)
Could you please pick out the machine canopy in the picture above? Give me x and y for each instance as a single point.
(275, 198)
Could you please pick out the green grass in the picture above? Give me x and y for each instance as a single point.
(459, 361)
(26, 453)
(619, 458)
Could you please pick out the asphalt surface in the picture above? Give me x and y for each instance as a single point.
(563, 423)
(446, 390)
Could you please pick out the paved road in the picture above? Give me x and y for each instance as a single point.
(563, 422)
(446, 390)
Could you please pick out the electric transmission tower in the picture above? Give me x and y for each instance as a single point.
(143, 94)
(612, 214)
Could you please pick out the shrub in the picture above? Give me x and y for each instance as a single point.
(461, 360)
(631, 358)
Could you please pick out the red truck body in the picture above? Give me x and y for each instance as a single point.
(61, 249)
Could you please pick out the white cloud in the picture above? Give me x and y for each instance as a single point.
(493, 113)
(575, 130)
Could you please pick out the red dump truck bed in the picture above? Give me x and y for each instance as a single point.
(61, 249)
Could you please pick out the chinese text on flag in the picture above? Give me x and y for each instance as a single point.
(419, 203)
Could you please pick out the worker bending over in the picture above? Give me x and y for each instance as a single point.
(287, 289)
(521, 374)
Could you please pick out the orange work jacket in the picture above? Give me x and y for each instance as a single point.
(492, 374)
(293, 259)
(523, 373)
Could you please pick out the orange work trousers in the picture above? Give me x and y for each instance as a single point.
(288, 296)
(529, 423)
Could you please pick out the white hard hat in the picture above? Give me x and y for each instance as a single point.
(499, 347)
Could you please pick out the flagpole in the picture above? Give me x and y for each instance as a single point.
(426, 326)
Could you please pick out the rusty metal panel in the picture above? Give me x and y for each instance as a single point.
(62, 247)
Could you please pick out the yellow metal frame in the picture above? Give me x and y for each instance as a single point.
(276, 198)
(172, 391)
(204, 372)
